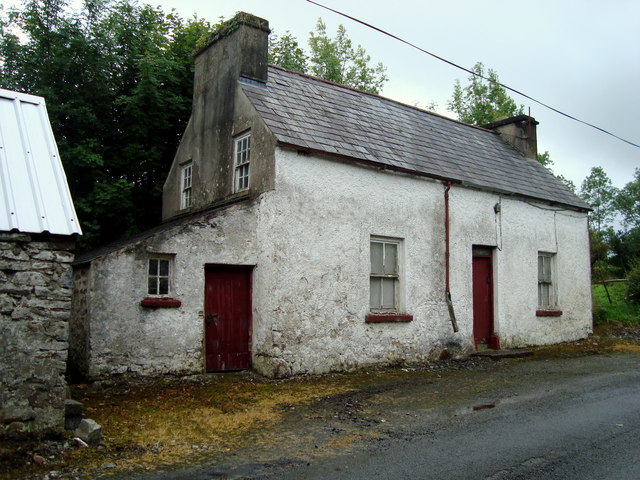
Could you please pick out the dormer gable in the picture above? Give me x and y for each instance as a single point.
(205, 170)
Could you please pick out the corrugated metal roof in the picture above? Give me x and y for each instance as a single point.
(34, 193)
(310, 113)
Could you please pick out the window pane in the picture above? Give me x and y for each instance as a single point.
(543, 295)
(153, 286)
(376, 258)
(164, 286)
(546, 269)
(540, 267)
(374, 289)
(390, 258)
(164, 268)
(388, 293)
(153, 266)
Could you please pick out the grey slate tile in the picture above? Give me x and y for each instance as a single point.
(311, 113)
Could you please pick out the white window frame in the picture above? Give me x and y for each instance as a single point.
(159, 279)
(186, 182)
(547, 284)
(241, 162)
(387, 277)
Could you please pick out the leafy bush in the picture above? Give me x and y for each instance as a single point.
(620, 310)
(633, 283)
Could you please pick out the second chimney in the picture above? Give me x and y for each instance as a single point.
(519, 132)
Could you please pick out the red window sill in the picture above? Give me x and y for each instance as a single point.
(160, 302)
(387, 318)
(548, 313)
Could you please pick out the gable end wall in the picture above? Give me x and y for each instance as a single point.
(35, 303)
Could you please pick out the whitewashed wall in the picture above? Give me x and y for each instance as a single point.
(311, 292)
(309, 240)
(125, 338)
(518, 231)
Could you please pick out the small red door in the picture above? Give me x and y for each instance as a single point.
(483, 296)
(227, 317)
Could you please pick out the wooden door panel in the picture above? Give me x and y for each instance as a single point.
(227, 317)
(482, 299)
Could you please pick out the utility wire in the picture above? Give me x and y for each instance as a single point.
(506, 87)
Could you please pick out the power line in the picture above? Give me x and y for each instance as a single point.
(506, 87)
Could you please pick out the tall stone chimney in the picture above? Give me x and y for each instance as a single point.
(519, 132)
(238, 49)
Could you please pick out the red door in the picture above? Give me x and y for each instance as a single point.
(483, 296)
(227, 317)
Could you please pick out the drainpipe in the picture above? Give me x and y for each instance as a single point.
(452, 314)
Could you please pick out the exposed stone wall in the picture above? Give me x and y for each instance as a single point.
(35, 301)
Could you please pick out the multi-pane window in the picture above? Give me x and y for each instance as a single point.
(186, 197)
(384, 278)
(546, 287)
(242, 156)
(158, 276)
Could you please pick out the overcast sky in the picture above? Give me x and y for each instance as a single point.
(579, 56)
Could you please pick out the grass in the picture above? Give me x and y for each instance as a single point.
(619, 310)
(159, 425)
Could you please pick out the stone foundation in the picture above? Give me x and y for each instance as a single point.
(35, 303)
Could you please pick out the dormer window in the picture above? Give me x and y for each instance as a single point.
(242, 155)
(186, 191)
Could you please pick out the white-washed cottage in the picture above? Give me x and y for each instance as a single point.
(311, 227)
(38, 227)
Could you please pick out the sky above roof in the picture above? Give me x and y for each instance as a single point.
(579, 56)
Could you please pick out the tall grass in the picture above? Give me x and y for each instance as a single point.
(619, 310)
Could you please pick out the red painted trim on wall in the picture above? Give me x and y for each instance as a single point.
(160, 302)
(548, 313)
(380, 318)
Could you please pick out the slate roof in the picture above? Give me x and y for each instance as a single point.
(310, 113)
(34, 195)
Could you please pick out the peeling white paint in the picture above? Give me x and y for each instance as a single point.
(309, 241)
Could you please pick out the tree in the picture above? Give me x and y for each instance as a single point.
(598, 191)
(333, 59)
(285, 52)
(627, 202)
(117, 79)
(545, 160)
(483, 100)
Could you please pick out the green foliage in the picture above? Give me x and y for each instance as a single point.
(598, 245)
(333, 59)
(633, 283)
(117, 78)
(545, 160)
(624, 248)
(598, 191)
(285, 52)
(627, 202)
(619, 310)
(483, 100)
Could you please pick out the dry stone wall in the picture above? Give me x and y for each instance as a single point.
(35, 303)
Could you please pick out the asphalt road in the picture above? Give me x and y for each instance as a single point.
(588, 427)
(575, 418)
